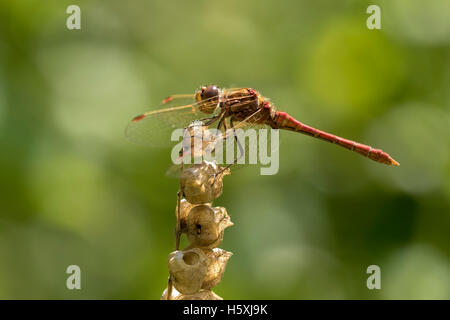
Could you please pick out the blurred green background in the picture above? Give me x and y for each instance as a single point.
(75, 191)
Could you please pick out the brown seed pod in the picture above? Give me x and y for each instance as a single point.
(206, 225)
(185, 208)
(196, 139)
(187, 270)
(202, 183)
(217, 261)
(201, 295)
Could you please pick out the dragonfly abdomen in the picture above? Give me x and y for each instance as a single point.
(282, 120)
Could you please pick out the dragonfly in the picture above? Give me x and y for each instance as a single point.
(230, 109)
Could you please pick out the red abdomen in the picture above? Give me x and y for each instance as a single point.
(282, 120)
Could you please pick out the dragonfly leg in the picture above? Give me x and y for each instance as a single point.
(241, 149)
(221, 122)
(176, 96)
(208, 122)
(212, 119)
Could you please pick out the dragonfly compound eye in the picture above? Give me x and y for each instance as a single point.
(210, 92)
(208, 98)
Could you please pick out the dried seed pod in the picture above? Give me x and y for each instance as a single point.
(206, 225)
(196, 139)
(185, 208)
(202, 183)
(201, 295)
(217, 261)
(174, 295)
(187, 270)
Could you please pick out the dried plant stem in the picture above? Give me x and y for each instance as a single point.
(199, 267)
(177, 228)
(177, 233)
(169, 288)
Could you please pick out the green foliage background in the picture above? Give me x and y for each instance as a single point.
(75, 191)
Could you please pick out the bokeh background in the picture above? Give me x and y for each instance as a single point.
(75, 191)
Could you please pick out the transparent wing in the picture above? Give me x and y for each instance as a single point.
(154, 128)
(174, 170)
(239, 147)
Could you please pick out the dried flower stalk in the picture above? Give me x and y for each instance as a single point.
(199, 267)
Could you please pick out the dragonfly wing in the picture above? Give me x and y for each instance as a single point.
(247, 143)
(178, 100)
(173, 171)
(155, 128)
(227, 146)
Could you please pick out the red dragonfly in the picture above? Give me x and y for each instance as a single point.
(242, 106)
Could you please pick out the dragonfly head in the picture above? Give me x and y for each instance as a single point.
(208, 98)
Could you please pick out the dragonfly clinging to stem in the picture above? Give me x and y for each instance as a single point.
(212, 105)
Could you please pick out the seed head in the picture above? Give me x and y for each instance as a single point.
(185, 208)
(202, 183)
(187, 270)
(196, 138)
(206, 225)
(217, 261)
